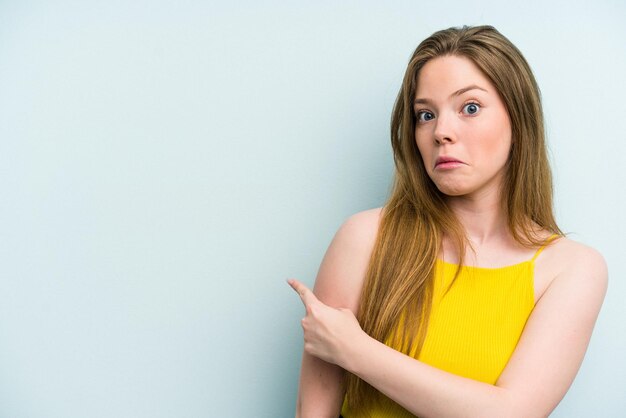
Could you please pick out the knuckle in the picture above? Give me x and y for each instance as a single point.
(316, 311)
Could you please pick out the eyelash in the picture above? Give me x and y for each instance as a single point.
(419, 112)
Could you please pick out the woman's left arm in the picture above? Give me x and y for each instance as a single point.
(536, 378)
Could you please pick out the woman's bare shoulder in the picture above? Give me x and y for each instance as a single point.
(579, 264)
(342, 271)
(569, 252)
(364, 224)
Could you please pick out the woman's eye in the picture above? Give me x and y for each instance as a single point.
(472, 108)
(421, 113)
(425, 116)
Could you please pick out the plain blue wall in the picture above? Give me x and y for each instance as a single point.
(164, 166)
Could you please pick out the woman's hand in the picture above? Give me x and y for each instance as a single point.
(329, 333)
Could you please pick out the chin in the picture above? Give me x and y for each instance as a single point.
(453, 189)
(453, 192)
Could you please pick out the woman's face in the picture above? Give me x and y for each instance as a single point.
(462, 128)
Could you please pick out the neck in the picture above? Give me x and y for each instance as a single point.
(482, 216)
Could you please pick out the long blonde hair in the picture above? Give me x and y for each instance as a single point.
(399, 276)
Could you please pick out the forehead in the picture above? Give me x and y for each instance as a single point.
(443, 75)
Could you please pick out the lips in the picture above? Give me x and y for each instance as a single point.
(447, 160)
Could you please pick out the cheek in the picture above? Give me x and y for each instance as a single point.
(497, 146)
(497, 139)
(505, 132)
(493, 153)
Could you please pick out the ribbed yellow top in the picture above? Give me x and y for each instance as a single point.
(475, 327)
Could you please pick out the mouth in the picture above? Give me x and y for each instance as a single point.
(448, 162)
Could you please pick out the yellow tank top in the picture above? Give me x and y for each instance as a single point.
(474, 328)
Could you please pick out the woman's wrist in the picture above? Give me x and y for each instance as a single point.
(355, 353)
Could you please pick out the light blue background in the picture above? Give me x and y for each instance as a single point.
(165, 166)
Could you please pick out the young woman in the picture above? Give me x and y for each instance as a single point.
(460, 297)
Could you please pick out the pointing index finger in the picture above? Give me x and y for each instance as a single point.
(306, 295)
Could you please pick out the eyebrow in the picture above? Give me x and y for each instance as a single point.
(456, 93)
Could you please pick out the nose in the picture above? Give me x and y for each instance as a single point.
(444, 130)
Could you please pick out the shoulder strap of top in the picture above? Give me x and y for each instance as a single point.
(550, 238)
